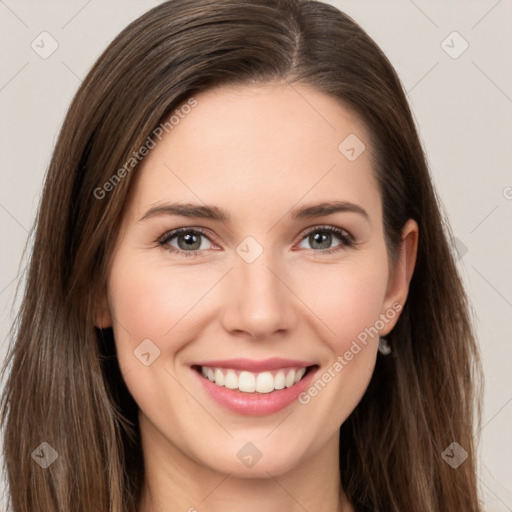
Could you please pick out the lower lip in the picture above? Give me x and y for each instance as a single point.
(256, 404)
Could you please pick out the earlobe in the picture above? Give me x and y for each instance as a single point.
(400, 278)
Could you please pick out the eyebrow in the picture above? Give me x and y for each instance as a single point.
(198, 211)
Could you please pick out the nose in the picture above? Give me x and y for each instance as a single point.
(260, 304)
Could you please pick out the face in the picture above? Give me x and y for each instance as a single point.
(276, 300)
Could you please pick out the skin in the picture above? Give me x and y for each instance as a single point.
(258, 152)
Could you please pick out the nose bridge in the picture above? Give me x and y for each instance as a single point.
(259, 302)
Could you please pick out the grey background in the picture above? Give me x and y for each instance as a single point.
(463, 107)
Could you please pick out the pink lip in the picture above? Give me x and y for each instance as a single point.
(255, 366)
(256, 404)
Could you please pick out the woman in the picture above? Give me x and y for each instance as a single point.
(183, 343)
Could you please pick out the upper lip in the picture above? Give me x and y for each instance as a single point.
(254, 365)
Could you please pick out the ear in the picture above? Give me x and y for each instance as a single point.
(400, 276)
(103, 316)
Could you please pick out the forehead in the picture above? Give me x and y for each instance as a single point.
(255, 148)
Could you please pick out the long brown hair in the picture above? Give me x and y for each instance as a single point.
(65, 387)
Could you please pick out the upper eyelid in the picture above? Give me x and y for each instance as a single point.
(174, 232)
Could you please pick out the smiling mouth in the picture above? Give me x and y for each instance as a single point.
(252, 382)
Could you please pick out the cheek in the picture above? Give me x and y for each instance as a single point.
(152, 301)
(348, 299)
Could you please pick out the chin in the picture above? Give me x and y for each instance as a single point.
(243, 459)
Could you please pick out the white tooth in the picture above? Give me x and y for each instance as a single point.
(246, 382)
(231, 380)
(219, 377)
(279, 380)
(204, 371)
(211, 375)
(290, 378)
(264, 382)
(300, 373)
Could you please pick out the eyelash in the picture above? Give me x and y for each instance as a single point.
(346, 239)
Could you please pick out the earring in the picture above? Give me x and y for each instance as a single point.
(384, 347)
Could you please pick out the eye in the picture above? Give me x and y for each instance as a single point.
(189, 242)
(184, 241)
(321, 238)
